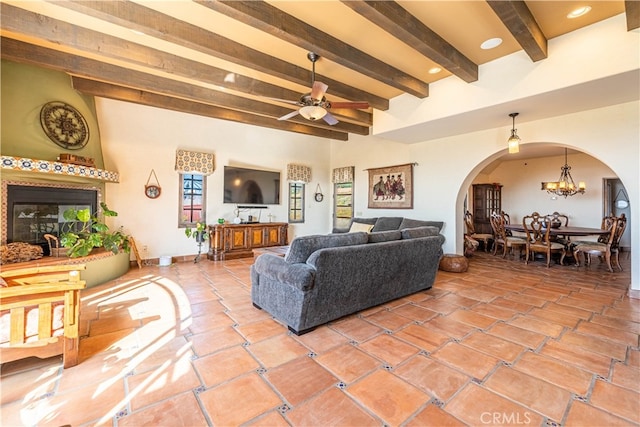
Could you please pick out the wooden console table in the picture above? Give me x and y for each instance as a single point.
(231, 241)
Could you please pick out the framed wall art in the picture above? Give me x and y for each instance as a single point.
(391, 187)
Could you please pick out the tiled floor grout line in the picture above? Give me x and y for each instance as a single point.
(216, 281)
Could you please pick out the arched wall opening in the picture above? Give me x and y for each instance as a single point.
(521, 177)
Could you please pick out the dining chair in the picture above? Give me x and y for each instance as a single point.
(557, 220)
(508, 243)
(485, 238)
(470, 245)
(507, 220)
(607, 246)
(538, 241)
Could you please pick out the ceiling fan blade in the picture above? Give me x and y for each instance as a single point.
(330, 119)
(318, 90)
(358, 105)
(288, 116)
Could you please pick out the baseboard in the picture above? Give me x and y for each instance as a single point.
(174, 259)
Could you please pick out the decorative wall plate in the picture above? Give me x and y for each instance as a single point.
(64, 125)
(152, 191)
(319, 196)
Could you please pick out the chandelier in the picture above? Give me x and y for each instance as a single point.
(565, 186)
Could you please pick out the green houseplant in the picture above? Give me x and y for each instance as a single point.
(85, 232)
(199, 233)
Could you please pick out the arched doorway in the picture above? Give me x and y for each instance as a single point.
(521, 179)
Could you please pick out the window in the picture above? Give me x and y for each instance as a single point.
(296, 202)
(192, 200)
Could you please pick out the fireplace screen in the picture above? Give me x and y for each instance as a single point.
(32, 221)
(33, 212)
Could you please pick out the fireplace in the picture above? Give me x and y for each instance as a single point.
(33, 210)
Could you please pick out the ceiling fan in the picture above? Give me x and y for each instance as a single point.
(314, 105)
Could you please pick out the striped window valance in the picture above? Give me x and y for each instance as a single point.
(298, 173)
(344, 174)
(194, 162)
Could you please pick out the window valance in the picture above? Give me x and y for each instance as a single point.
(194, 162)
(298, 173)
(344, 174)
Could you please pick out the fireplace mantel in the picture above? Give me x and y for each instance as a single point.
(58, 168)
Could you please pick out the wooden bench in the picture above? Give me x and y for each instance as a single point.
(39, 312)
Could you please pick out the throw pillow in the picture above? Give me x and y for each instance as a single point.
(358, 226)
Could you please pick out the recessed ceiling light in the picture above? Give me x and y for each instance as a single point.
(138, 32)
(579, 12)
(491, 43)
(435, 70)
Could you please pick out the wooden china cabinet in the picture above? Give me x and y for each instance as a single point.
(487, 198)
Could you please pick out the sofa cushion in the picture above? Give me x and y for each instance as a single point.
(413, 223)
(384, 236)
(359, 226)
(387, 223)
(302, 247)
(414, 233)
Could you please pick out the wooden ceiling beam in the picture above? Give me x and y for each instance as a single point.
(632, 11)
(97, 44)
(395, 20)
(519, 20)
(137, 17)
(272, 20)
(22, 52)
(121, 93)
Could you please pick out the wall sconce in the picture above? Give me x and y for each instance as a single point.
(514, 139)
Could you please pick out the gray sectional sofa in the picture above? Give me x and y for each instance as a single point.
(387, 223)
(325, 277)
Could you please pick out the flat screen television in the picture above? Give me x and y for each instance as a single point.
(251, 186)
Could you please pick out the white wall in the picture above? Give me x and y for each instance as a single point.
(137, 139)
(448, 166)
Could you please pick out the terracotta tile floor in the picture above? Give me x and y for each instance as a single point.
(503, 344)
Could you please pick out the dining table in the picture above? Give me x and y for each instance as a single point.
(564, 231)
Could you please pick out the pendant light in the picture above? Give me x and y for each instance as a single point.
(514, 139)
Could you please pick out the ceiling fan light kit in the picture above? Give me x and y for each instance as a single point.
(312, 112)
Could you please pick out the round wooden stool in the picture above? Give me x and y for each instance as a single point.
(454, 263)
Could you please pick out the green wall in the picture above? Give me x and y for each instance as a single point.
(24, 90)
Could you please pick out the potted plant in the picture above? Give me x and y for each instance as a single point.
(86, 231)
(199, 232)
